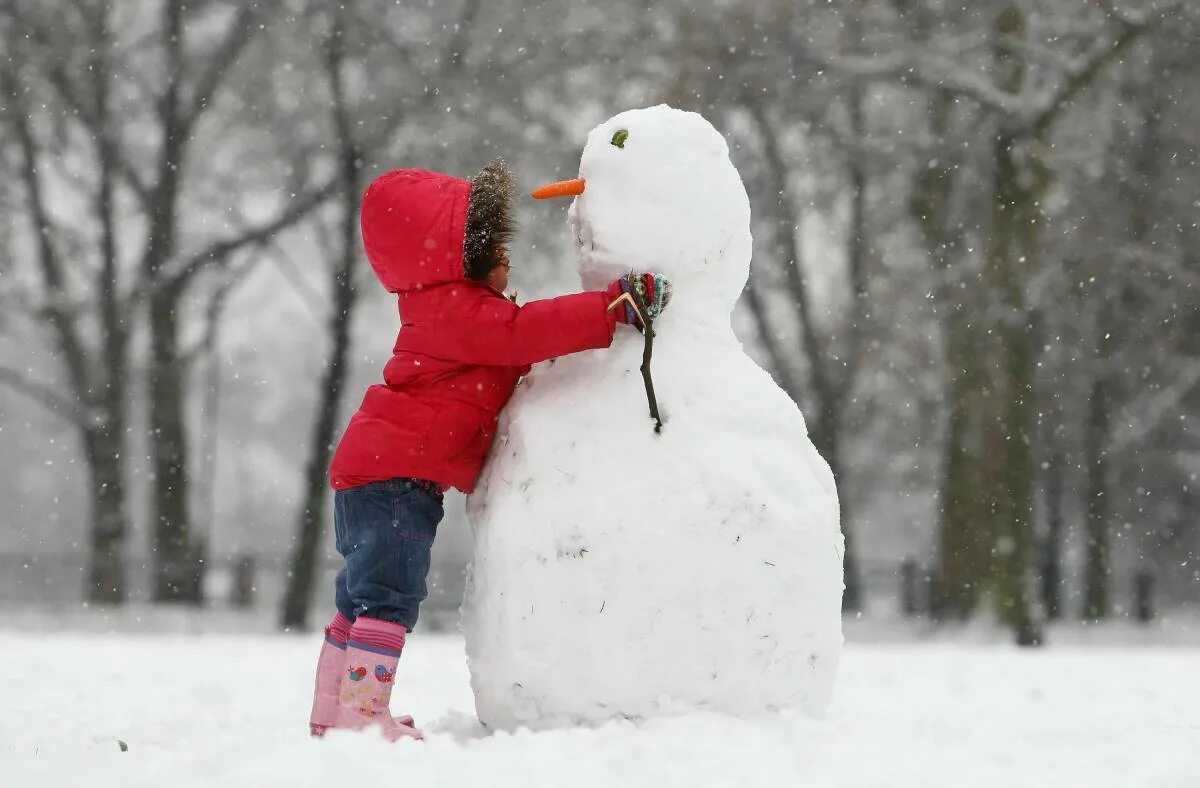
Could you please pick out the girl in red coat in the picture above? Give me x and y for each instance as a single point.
(440, 244)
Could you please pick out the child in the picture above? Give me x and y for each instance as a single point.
(439, 243)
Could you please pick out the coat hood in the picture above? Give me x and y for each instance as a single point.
(413, 226)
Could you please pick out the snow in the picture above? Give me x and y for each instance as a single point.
(232, 710)
(622, 574)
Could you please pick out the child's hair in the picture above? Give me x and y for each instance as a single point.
(489, 218)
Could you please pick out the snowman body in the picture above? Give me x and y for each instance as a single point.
(619, 572)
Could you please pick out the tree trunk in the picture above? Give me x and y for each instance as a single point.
(1051, 559)
(963, 528)
(310, 524)
(104, 443)
(95, 387)
(1015, 535)
(852, 595)
(1097, 571)
(106, 561)
(781, 369)
(856, 261)
(825, 434)
(179, 561)
(1011, 247)
(964, 534)
(825, 439)
(1011, 427)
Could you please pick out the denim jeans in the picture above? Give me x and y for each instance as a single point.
(385, 531)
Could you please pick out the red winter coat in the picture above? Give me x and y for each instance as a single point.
(462, 345)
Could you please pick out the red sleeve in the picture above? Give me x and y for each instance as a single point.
(494, 331)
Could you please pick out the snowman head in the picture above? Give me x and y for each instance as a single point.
(657, 192)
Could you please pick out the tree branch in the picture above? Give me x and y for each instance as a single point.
(219, 250)
(43, 394)
(932, 68)
(49, 264)
(785, 226)
(242, 31)
(780, 368)
(317, 305)
(212, 313)
(925, 67)
(88, 115)
(857, 249)
(161, 206)
(1126, 17)
(1053, 103)
(1155, 409)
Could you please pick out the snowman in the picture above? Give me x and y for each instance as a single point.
(624, 572)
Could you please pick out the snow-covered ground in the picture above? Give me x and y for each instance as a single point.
(229, 710)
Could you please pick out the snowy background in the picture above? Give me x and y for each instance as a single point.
(976, 269)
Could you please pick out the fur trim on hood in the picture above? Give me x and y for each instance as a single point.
(490, 224)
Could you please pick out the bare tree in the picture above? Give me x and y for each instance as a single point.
(169, 255)
(168, 275)
(81, 298)
(303, 563)
(1023, 96)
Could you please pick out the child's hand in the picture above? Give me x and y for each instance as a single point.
(654, 290)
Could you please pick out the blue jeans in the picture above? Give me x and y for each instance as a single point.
(385, 531)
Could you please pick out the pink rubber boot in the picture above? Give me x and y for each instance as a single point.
(329, 676)
(371, 656)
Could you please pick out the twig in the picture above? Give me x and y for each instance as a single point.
(635, 300)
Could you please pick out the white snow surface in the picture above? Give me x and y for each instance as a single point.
(619, 573)
(232, 711)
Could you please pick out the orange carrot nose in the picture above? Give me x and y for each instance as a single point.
(571, 188)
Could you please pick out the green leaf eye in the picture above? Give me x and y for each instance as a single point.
(619, 137)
